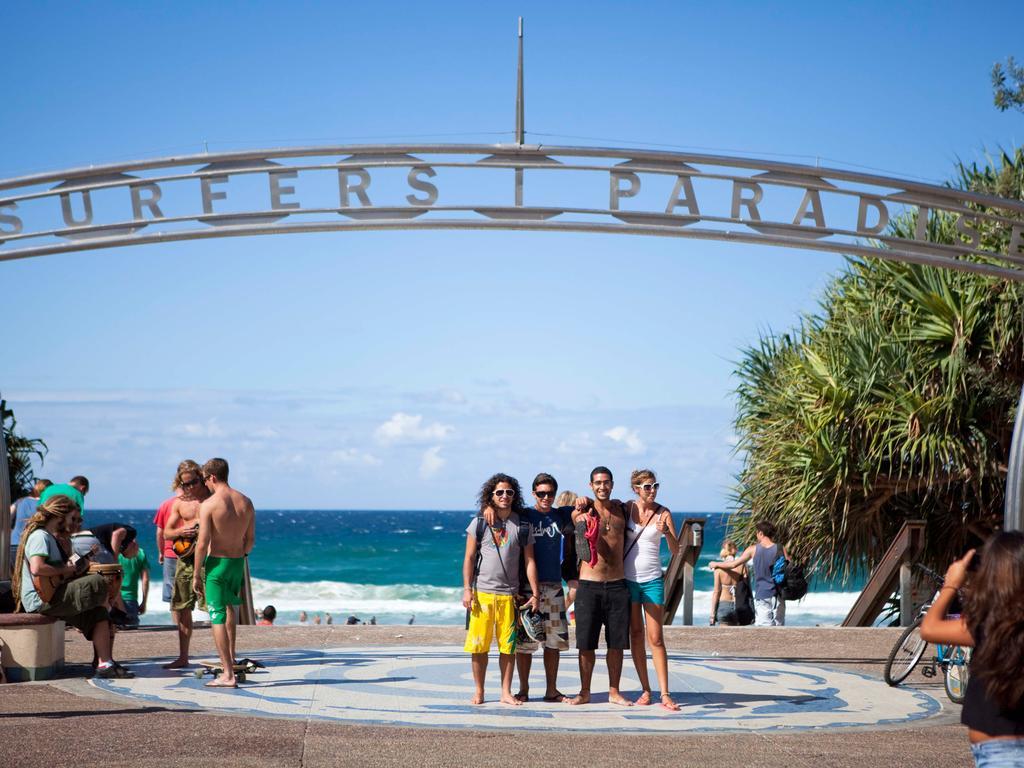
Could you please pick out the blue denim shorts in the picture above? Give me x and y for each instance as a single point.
(647, 591)
(170, 563)
(999, 753)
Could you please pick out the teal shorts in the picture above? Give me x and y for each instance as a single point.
(647, 591)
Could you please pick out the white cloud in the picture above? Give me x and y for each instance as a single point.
(406, 428)
(581, 442)
(353, 456)
(431, 462)
(627, 437)
(211, 429)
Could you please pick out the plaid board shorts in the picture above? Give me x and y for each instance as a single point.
(552, 610)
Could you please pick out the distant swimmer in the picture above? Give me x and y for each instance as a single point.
(227, 531)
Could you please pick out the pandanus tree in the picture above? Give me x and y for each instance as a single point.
(20, 453)
(894, 401)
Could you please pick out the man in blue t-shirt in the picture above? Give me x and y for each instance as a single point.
(21, 511)
(548, 524)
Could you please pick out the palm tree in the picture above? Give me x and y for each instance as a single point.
(895, 401)
(20, 452)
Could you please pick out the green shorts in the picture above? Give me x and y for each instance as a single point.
(223, 585)
(79, 603)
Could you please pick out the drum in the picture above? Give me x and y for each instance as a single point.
(113, 573)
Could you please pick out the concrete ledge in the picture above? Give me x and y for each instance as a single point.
(31, 646)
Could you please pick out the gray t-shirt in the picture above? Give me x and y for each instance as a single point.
(493, 577)
(39, 542)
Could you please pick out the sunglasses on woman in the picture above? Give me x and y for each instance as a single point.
(502, 492)
(649, 487)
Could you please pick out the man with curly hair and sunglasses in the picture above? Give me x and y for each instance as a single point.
(490, 579)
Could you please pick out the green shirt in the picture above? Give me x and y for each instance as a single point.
(133, 568)
(63, 489)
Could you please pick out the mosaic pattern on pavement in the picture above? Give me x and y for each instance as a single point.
(431, 687)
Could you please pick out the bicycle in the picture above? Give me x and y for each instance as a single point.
(910, 648)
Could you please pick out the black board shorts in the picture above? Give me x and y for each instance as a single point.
(602, 603)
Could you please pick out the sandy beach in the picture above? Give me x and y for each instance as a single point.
(70, 721)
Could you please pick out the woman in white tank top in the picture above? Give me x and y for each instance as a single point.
(647, 522)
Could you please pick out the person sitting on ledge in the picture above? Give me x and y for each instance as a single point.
(80, 599)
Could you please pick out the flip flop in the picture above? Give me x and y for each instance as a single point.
(671, 706)
(558, 698)
(523, 697)
(582, 542)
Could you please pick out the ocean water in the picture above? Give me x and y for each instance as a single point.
(400, 565)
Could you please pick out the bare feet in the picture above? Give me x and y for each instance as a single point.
(619, 699)
(577, 700)
(508, 698)
(667, 703)
(523, 696)
(644, 700)
(478, 698)
(220, 682)
(176, 664)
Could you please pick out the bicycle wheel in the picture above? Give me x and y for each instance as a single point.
(905, 655)
(956, 674)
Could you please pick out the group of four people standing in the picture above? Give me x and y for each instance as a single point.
(620, 585)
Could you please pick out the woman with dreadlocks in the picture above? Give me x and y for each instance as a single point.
(80, 600)
(992, 623)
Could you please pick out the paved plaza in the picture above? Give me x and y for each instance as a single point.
(398, 695)
(429, 686)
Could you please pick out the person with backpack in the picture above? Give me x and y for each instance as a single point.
(769, 604)
(550, 524)
(490, 580)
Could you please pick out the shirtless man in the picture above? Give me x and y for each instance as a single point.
(227, 530)
(182, 522)
(602, 597)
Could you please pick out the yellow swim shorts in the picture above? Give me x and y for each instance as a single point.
(491, 614)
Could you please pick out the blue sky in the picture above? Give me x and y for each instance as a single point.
(399, 369)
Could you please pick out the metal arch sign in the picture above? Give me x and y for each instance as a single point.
(473, 186)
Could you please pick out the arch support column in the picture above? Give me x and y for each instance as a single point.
(1013, 509)
(5, 513)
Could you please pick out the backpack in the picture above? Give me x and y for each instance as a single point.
(790, 582)
(744, 597)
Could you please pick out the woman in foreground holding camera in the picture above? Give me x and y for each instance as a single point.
(993, 624)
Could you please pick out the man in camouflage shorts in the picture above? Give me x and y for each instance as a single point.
(548, 524)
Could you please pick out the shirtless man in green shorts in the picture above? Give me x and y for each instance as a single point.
(227, 530)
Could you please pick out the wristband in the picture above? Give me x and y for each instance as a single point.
(949, 586)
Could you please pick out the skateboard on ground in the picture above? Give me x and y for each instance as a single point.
(242, 667)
